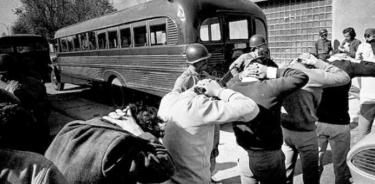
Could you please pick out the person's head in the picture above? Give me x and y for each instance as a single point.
(323, 33)
(370, 35)
(349, 33)
(258, 44)
(197, 56)
(146, 117)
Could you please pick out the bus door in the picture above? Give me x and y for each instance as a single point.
(227, 37)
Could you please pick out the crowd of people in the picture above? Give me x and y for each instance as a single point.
(277, 113)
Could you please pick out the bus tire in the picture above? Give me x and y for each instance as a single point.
(56, 82)
(117, 93)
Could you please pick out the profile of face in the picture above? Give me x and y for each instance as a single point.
(369, 37)
(263, 51)
(323, 36)
(347, 36)
(201, 65)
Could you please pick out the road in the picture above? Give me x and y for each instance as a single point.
(80, 103)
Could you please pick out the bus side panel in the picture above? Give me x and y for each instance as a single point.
(152, 70)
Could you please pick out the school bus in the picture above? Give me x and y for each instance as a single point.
(142, 47)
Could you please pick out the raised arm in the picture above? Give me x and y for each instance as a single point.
(201, 109)
(323, 75)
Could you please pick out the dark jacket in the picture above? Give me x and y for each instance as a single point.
(334, 106)
(301, 106)
(27, 167)
(264, 132)
(98, 152)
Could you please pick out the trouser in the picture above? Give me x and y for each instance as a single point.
(338, 136)
(365, 120)
(265, 167)
(306, 145)
(215, 150)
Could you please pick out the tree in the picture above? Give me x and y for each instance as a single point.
(44, 17)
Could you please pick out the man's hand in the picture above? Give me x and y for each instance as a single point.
(308, 59)
(125, 120)
(212, 87)
(255, 70)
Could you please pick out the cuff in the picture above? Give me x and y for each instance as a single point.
(271, 72)
(225, 94)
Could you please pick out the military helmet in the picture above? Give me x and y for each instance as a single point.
(196, 52)
(257, 40)
(323, 32)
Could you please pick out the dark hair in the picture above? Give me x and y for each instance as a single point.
(351, 32)
(146, 117)
(264, 61)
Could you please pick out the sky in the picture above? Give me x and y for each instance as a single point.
(7, 17)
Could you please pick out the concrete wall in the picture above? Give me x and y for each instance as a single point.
(359, 14)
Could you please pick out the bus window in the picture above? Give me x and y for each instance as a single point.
(102, 41)
(92, 41)
(158, 34)
(76, 42)
(125, 35)
(70, 42)
(140, 36)
(238, 29)
(64, 45)
(84, 41)
(112, 39)
(210, 30)
(260, 27)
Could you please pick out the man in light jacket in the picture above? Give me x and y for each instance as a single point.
(191, 118)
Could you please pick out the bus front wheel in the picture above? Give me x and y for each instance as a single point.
(55, 80)
(117, 92)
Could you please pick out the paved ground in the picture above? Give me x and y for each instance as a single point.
(80, 103)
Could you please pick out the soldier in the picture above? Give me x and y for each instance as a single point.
(259, 48)
(323, 46)
(197, 55)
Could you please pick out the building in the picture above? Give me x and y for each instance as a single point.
(293, 25)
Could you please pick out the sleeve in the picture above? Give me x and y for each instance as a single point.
(363, 69)
(50, 176)
(154, 164)
(231, 107)
(353, 51)
(359, 51)
(180, 84)
(288, 80)
(143, 160)
(315, 51)
(325, 75)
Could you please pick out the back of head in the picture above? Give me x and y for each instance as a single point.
(351, 32)
(146, 117)
(369, 32)
(196, 52)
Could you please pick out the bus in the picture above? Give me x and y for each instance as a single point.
(32, 49)
(142, 47)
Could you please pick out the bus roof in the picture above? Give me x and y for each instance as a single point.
(160, 8)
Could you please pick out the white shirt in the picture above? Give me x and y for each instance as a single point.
(367, 93)
(189, 133)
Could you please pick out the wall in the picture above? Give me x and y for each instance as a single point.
(359, 14)
(293, 25)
